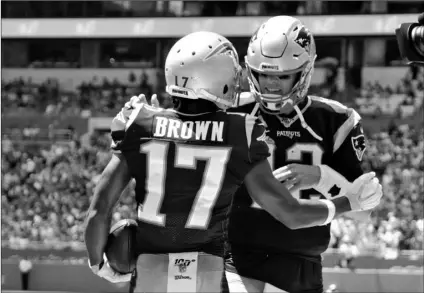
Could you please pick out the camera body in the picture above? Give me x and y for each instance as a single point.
(410, 38)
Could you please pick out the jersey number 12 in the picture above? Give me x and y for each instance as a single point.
(295, 154)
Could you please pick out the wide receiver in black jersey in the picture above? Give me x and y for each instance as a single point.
(314, 142)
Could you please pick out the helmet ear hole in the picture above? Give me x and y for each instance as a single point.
(297, 78)
(225, 89)
(255, 75)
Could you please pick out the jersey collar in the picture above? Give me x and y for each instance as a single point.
(288, 121)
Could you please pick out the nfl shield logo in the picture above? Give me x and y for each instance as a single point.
(182, 267)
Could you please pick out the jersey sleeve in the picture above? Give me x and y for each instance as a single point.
(349, 148)
(256, 136)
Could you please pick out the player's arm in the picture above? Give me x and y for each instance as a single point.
(112, 182)
(349, 144)
(346, 166)
(272, 196)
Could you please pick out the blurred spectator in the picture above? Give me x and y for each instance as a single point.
(95, 97)
(332, 289)
(25, 267)
(402, 100)
(397, 224)
(46, 191)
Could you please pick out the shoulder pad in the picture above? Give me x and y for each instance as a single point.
(334, 105)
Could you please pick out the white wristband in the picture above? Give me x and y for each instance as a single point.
(331, 211)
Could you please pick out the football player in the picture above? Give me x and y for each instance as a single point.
(314, 142)
(187, 163)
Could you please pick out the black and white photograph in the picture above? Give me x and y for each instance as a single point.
(212, 146)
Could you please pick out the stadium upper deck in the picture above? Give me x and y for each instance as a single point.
(78, 9)
(91, 37)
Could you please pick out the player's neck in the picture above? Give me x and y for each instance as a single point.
(290, 110)
(194, 107)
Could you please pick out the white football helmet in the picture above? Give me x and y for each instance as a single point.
(281, 46)
(203, 65)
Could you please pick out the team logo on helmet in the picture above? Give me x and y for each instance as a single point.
(303, 39)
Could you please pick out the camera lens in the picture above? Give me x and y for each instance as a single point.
(417, 36)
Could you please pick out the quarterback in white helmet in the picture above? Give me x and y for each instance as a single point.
(316, 149)
(280, 63)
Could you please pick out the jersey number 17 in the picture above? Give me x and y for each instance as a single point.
(185, 157)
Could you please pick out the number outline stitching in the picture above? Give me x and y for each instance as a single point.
(224, 159)
(141, 208)
(223, 154)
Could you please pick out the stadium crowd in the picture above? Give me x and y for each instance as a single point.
(402, 99)
(47, 189)
(45, 192)
(102, 97)
(91, 98)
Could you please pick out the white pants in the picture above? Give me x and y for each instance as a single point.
(179, 272)
(240, 284)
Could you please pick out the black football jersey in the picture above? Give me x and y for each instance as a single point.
(187, 169)
(341, 148)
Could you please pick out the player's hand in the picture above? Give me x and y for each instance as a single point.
(297, 176)
(365, 192)
(141, 99)
(105, 271)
